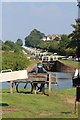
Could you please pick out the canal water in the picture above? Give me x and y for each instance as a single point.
(64, 81)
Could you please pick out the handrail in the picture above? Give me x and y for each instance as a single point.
(8, 70)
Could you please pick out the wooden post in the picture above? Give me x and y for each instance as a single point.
(43, 88)
(11, 91)
(34, 87)
(49, 89)
(77, 96)
(75, 107)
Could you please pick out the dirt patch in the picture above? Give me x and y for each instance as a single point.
(30, 68)
(70, 100)
(8, 110)
(44, 113)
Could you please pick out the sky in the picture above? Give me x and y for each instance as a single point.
(20, 18)
(39, 0)
(0, 20)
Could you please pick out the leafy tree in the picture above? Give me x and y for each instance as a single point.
(44, 45)
(19, 42)
(9, 45)
(1, 44)
(63, 44)
(53, 46)
(5, 47)
(34, 38)
(75, 37)
(56, 39)
(13, 57)
(14, 61)
(70, 52)
(65, 41)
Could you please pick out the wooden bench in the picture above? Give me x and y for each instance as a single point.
(22, 76)
(38, 78)
(32, 79)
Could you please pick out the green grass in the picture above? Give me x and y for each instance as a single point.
(21, 105)
(32, 62)
(71, 63)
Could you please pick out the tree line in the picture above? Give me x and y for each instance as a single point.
(61, 46)
(67, 45)
(13, 57)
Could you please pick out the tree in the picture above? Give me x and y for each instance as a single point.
(34, 38)
(19, 42)
(63, 44)
(5, 47)
(75, 37)
(14, 61)
(8, 45)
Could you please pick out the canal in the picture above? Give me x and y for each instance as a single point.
(64, 80)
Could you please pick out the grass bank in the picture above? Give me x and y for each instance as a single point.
(20, 105)
(71, 63)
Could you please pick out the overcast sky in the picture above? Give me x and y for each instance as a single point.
(20, 18)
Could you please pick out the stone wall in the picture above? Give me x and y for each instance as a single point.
(57, 66)
(61, 67)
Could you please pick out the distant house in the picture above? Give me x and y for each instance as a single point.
(44, 38)
(55, 37)
(49, 37)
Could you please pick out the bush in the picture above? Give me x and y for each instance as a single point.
(14, 61)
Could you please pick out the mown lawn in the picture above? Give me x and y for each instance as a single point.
(21, 105)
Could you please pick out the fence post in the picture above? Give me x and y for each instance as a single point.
(49, 91)
(11, 91)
